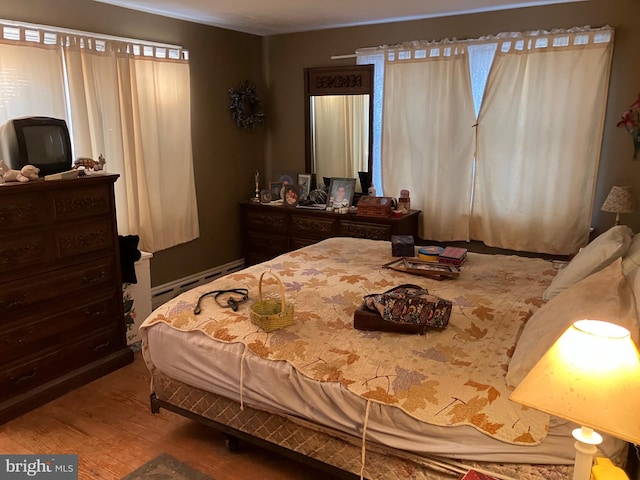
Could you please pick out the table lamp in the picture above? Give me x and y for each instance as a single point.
(590, 376)
(620, 200)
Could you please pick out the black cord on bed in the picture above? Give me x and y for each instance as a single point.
(232, 303)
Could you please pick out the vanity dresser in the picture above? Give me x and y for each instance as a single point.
(270, 230)
(61, 313)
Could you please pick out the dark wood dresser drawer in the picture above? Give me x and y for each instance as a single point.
(254, 258)
(309, 226)
(299, 242)
(23, 252)
(27, 374)
(81, 203)
(33, 335)
(71, 281)
(267, 244)
(80, 239)
(22, 211)
(371, 231)
(265, 220)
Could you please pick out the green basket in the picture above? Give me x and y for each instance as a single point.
(274, 313)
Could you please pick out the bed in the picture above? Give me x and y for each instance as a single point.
(371, 404)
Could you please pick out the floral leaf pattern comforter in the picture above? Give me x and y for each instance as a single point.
(446, 377)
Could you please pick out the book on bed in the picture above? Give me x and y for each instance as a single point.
(453, 255)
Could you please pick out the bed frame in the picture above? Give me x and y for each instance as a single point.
(333, 452)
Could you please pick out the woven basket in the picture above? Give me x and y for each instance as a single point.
(274, 313)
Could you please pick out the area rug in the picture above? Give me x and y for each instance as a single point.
(166, 467)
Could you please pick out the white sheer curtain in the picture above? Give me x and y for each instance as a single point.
(134, 105)
(127, 101)
(524, 179)
(427, 134)
(159, 151)
(340, 138)
(31, 74)
(540, 130)
(95, 110)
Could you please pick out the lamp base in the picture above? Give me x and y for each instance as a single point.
(586, 449)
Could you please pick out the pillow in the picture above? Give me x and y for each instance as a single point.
(633, 279)
(604, 295)
(594, 257)
(631, 258)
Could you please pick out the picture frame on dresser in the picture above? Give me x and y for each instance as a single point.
(265, 196)
(287, 178)
(341, 192)
(290, 195)
(276, 190)
(305, 180)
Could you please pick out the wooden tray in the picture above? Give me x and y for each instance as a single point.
(424, 268)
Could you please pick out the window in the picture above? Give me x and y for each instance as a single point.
(125, 99)
(497, 139)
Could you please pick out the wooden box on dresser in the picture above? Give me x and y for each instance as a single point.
(270, 230)
(61, 312)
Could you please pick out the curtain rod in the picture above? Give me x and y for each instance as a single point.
(489, 38)
(99, 36)
(338, 57)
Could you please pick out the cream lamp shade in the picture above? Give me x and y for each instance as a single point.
(620, 200)
(590, 376)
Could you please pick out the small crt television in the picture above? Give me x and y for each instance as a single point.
(43, 142)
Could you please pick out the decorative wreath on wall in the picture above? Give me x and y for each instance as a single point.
(245, 106)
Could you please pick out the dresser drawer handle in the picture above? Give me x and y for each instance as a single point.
(95, 313)
(101, 346)
(24, 378)
(91, 280)
(20, 340)
(14, 303)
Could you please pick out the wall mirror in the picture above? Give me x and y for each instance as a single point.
(338, 120)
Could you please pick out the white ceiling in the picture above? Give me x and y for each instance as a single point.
(272, 17)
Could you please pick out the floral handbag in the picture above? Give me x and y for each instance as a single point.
(410, 304)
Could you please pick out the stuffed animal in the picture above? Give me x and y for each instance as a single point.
(89, 163)
(26, 173)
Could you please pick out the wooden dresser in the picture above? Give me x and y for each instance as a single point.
(270, 230)
(61, 312)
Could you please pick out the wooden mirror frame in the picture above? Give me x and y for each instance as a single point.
(345, 80)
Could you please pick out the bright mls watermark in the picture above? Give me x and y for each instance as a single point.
(39, 467)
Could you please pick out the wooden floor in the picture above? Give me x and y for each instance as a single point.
(109, 425)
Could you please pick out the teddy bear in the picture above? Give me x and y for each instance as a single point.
(26, 173)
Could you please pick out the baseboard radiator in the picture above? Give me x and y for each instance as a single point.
(165, 292)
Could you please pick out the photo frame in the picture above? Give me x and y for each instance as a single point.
(265, 196)
(340, 193)
(276, 190)
(290, 195)
(287, 178)
(304, 182)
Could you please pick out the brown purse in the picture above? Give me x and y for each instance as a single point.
(410, 304)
